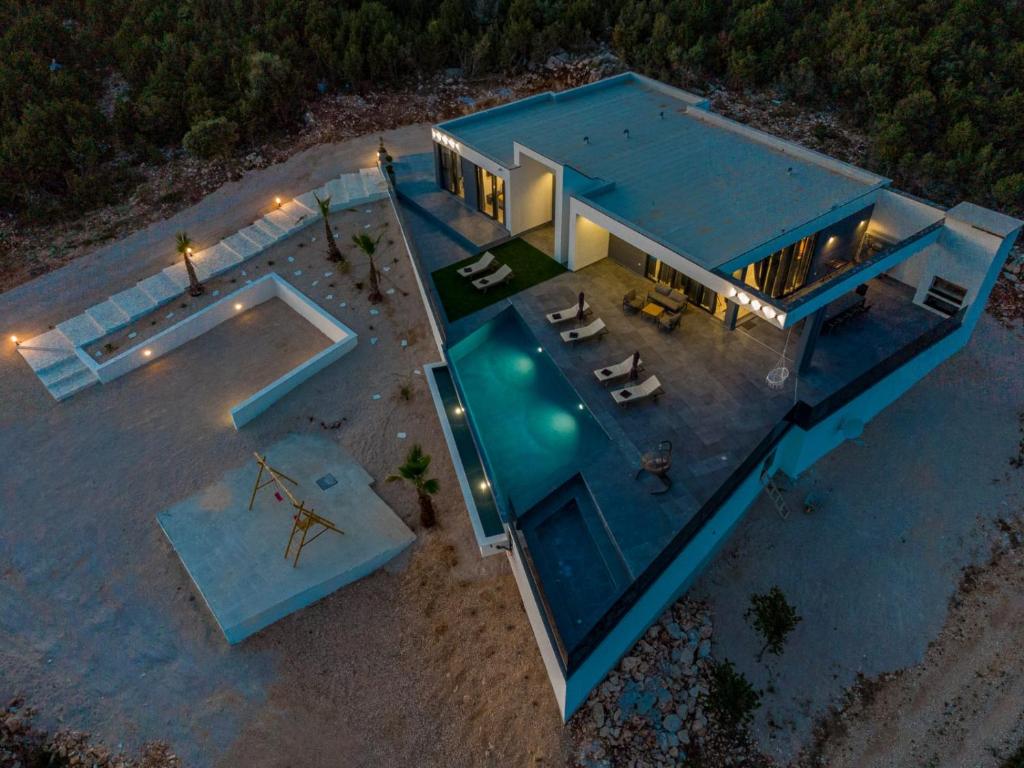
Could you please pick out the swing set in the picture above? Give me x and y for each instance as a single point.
(304, 520)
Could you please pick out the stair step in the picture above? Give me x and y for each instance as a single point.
(80, 330)
(272, 230)
(46, 350)
(178, 275)
(374, 181)
(72, 384)
(108, 316)
(305, 204)
(159, 288)
(66, 368)
(242, 245)
(134, 302)
(214, 260)
(257, 235)
(340, 192)
(300, 215)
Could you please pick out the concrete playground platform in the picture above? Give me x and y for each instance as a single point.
(236, 557)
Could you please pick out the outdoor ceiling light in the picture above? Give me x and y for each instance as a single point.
(769, 312)
(730, 291)
(755, 305)
(781, 317)
(742, 298)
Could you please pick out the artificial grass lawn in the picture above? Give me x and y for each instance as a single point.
(529, 267)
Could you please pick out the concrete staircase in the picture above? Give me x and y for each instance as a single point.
(52, 355)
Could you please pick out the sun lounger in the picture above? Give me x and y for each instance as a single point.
(501, 275)
(567, 314)
(480, 265)
(650, 388)
(592, 331)
(617, 371)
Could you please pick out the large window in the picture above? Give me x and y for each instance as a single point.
(451, 171)
(491, 194)
(784, 271)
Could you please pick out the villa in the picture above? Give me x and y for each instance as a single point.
(772, 299)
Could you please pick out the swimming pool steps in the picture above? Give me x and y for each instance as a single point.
(53, 356)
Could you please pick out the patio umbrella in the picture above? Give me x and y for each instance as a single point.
(580, 314)
(634, 371)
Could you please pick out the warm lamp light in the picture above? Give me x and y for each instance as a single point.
(14, 338)
(781, 317)
(769, 312)
(458, 410)
(742, 298)
(484, 485)
(755, 305)
(238, 306)
(277, 201)
(147, 353)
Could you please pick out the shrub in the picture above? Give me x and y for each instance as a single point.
(731, 698)
(216, 137)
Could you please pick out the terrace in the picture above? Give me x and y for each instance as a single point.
(716, 409)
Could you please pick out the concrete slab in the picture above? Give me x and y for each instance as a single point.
(134, 302)
(308, 200)
(214, 260)
(300, 215)
(160, 288)
(46, 350)
(242, 245)
(108, 316)
(257, 235)
(177, 274)
(235, 557)
(80, 330)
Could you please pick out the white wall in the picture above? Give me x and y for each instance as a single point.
(588, 243)
(531, 194)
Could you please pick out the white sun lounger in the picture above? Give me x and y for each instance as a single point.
(649, 388)
(567, 314)
(592, 331)
(617, 371)
(480, 265)
(502, 275)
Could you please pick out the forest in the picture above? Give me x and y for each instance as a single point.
(91, 88)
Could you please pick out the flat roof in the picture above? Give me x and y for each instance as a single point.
(704, 186)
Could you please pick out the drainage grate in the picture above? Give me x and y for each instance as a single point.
(326, 482)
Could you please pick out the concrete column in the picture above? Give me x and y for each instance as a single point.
(808, 340)
(732, 309)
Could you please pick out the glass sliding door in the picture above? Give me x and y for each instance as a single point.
(491, 194)
(696, 293)
(782, 272)
(451, 171)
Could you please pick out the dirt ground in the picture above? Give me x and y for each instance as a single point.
(964, 704)
(428, 662)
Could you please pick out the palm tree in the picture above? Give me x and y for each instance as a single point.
(184, 244)
(368, 245)
(333, 252)
(414, 471)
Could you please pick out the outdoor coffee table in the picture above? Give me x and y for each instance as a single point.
(653, 311)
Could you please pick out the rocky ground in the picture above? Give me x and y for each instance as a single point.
(650, 710)
(22, 745)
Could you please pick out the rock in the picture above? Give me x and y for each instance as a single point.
(704, 649)
(630, 663)
(597, 714)
(671, 723)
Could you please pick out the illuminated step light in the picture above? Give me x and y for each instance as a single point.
(14, 338)
(147, 353)
(238, 306)
(484, 485)
(458, 410)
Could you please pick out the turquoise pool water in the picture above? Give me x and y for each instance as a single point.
(532, 427)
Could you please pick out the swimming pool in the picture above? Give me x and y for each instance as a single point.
(532, 427)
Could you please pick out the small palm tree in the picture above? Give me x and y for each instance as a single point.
(368, 245)
(184, 244)
(333, 252)
(414, 471)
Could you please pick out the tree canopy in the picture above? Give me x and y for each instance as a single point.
(87, 88)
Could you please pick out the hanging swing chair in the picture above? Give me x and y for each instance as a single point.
(776, 378)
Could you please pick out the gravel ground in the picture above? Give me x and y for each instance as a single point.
(429, 662)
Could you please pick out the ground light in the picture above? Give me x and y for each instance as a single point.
(238, 306)
(147, 353)
(580, 406)
(14, 338)
(277, 202)
(540, 349)
(458, 410)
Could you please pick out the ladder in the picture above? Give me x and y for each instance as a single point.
(775, 494)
